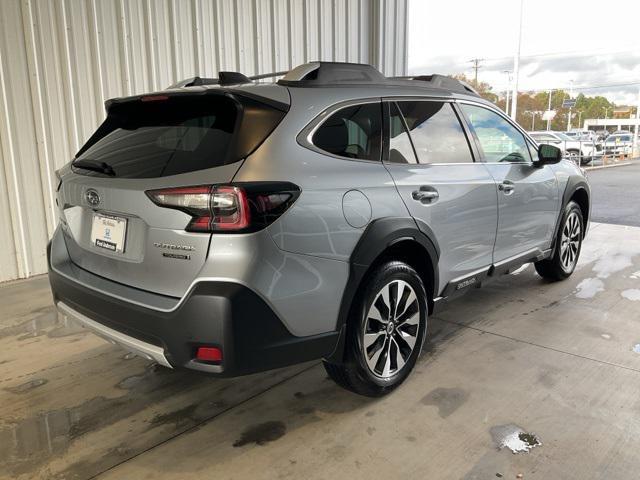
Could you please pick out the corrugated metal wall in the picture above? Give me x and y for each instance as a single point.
(60, 59)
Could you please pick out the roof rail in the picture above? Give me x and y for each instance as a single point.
(443, 81)
(225, 78)
(268, 75)
(314, 74)
(331, 73)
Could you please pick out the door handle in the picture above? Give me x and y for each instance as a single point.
(425, 194)
(506, 187)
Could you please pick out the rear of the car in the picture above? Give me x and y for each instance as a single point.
(139, 206)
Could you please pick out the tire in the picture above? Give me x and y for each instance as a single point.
(568, 245)
(379, 355)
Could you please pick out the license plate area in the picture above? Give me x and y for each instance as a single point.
(108, 232)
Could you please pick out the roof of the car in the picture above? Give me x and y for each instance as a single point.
(346, 81)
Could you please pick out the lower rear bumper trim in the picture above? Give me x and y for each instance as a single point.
(143, 349)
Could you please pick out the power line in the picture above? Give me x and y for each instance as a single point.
(586, 87)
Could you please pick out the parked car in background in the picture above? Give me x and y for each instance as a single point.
(573, 149)
(583, 135)
(602, 135)
(619, 144)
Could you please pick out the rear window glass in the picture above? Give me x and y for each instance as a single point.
(177, 135)
(352, 132)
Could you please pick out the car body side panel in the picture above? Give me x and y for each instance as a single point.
(463, 218)
(295, 286)
(316, 224)
(527, 215)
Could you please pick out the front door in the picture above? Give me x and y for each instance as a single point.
(527, 195)
(431, 162)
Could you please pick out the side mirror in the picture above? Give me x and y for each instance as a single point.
(547, 155)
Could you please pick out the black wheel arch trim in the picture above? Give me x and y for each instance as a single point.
(574, 184)
(378, 236)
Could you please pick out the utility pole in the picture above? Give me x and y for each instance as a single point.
(533, 121)
(509, 78)
(549, 112)
(570, 97)
(516, 68)
(476, 66)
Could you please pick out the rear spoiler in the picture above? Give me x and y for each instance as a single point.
(178, 92)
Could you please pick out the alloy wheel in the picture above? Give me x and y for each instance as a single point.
(570, 242)
(391, 329)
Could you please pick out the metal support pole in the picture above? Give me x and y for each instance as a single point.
(636, 145)
(516, 68)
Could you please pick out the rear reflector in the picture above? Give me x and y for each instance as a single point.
(209, 354)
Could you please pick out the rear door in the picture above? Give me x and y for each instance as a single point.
(450, 194)
(112, 228)
(527, 195)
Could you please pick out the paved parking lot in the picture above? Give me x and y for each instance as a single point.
(615, 194)
(551, 363)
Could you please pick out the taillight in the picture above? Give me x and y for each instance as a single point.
(243, 207)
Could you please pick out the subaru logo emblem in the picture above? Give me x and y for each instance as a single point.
(92, 197)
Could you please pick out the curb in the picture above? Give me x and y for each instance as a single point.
(600, 167)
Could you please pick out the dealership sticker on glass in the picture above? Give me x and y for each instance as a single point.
(108, 232)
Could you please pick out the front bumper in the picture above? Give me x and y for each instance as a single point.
(225, 315)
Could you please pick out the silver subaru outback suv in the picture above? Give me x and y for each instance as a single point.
(231, 227)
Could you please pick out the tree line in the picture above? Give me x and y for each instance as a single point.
(531, 106)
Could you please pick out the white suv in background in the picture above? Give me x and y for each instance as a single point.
(584, 150)
(619, 144)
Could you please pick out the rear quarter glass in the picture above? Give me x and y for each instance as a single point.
(174, 135)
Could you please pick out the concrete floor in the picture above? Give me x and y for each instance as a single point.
(556, 360)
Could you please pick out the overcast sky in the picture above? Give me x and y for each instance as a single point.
(591, 42)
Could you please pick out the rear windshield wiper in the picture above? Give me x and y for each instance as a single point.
(102, 167)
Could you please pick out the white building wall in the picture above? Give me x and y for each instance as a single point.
(61, 59)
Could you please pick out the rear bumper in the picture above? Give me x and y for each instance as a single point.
(139, 347)
(225, 315)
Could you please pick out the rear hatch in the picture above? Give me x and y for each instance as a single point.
(112, 227)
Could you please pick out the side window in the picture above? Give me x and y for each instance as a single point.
(436, 132)
(400, 148)
(500, 141)
(352, 132)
